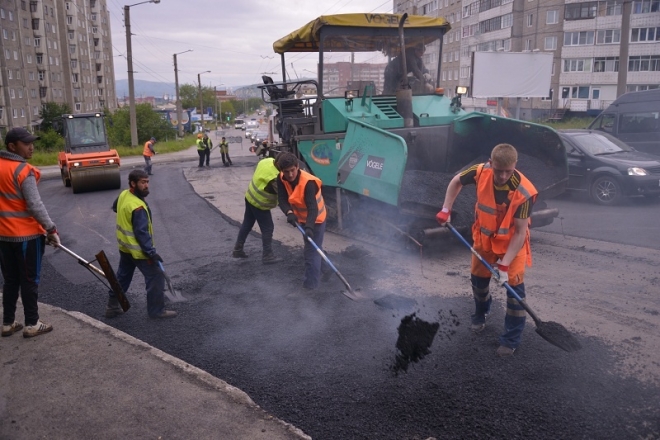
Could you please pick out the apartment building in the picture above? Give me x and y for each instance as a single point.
(583, 36)
(53, 51)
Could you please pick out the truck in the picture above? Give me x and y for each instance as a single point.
(385, 157)
(87, 162)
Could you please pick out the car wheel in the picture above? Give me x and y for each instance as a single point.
(605, 190)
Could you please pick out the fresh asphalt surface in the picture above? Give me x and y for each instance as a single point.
(322, 362)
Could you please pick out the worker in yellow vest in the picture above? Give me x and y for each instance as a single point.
(260, 198)
(147, 153)
(135, 236)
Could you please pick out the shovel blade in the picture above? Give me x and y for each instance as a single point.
(557, 335)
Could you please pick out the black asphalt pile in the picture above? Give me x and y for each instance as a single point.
(414, 341)
(557, 334)
(424, 192)
(354, 252)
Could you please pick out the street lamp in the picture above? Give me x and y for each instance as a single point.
(201, 102)
(215, 90)
(129, 59)
(179, 125)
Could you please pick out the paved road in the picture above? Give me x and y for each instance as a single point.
(323, 363)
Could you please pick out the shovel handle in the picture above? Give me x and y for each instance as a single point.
(81, 260)
(327, 260)
(510, 289)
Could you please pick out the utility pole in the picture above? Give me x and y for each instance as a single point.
(131, 87)
(215, 93)
(623, 48)
(201, 101)
(179, 125)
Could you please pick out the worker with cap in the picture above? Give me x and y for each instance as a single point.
(147, 153)
(415, 66)
(224, 151)
(137, 249)
(200, 150)
(25, 228)
(501, 236)
(260, 198)
(208, 145)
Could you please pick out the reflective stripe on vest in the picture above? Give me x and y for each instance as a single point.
(147, 151)
(297, 197)
(15, 219)
(488, 232)
(127, 203)
(263, 175)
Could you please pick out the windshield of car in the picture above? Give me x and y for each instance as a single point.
(599, 144)
(238, 121)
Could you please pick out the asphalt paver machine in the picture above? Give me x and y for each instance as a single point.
(389, 155)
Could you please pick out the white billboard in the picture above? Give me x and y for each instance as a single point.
(511, 74)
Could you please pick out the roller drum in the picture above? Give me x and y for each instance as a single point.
(95, 179)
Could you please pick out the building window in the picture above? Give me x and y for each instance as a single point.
(33, 6)
(639, 35)
(550, 43)
(608, 36)
(606, 64)
(69, 19)
(639, 7)
(72, 35)
(37, 42)
(583, 38)
(644, 63)
(613, 7)
(577, 65)
(580, 11)
(42, 75)
(12, 95)
(35, 24)
(14, 113)
(552, 17)
(528, 44)
(10, 74)
(40, 58)
(530, 20)
(78, 106)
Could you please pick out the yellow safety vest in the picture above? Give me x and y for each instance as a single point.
(200, 144)
(127, 203)
(256, 194)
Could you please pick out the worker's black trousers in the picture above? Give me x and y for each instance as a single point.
(21, 269)
(263, 218)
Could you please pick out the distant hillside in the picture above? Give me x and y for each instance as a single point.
(145, 88)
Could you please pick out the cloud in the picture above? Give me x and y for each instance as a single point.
(231, 38)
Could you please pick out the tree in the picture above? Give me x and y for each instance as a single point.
(149, 122)
(52, 111)
(189, 95)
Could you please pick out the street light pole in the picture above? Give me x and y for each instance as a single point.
(201, 101)
(179, 116)
(129, 60)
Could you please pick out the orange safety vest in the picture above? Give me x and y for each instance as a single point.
(494, 224)
(297, 197)
(147, 151)
(15, 219)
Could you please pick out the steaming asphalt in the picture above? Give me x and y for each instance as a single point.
(324, 363)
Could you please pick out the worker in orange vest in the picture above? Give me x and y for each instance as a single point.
(147, 153)
(299, 196)
(25, 228)
(501, 236)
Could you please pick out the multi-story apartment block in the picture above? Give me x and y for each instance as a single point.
(54, 51)
(338, 75)
(583, 36)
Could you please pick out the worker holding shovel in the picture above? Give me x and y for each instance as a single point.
(299, 197)
(136, 248)
(500, 234)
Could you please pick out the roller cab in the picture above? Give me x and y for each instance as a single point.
(88, 163)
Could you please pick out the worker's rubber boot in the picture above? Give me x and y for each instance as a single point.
(238, 251)
(113, 308)
(269, 257)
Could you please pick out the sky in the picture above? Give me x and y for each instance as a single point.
(231, 38)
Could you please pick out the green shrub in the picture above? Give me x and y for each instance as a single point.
(50, 141)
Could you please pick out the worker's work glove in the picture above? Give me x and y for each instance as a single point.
(53, 238)
(156, 258)
(503, 272)
(443, 216)
(427, 77)
(292, 219)
(309, 231)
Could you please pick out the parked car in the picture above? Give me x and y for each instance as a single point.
(608, 169)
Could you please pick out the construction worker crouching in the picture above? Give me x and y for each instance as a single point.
(260, 198)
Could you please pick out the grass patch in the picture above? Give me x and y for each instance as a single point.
(568, 123)
(46, 158)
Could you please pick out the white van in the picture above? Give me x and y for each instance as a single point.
(239, 124)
